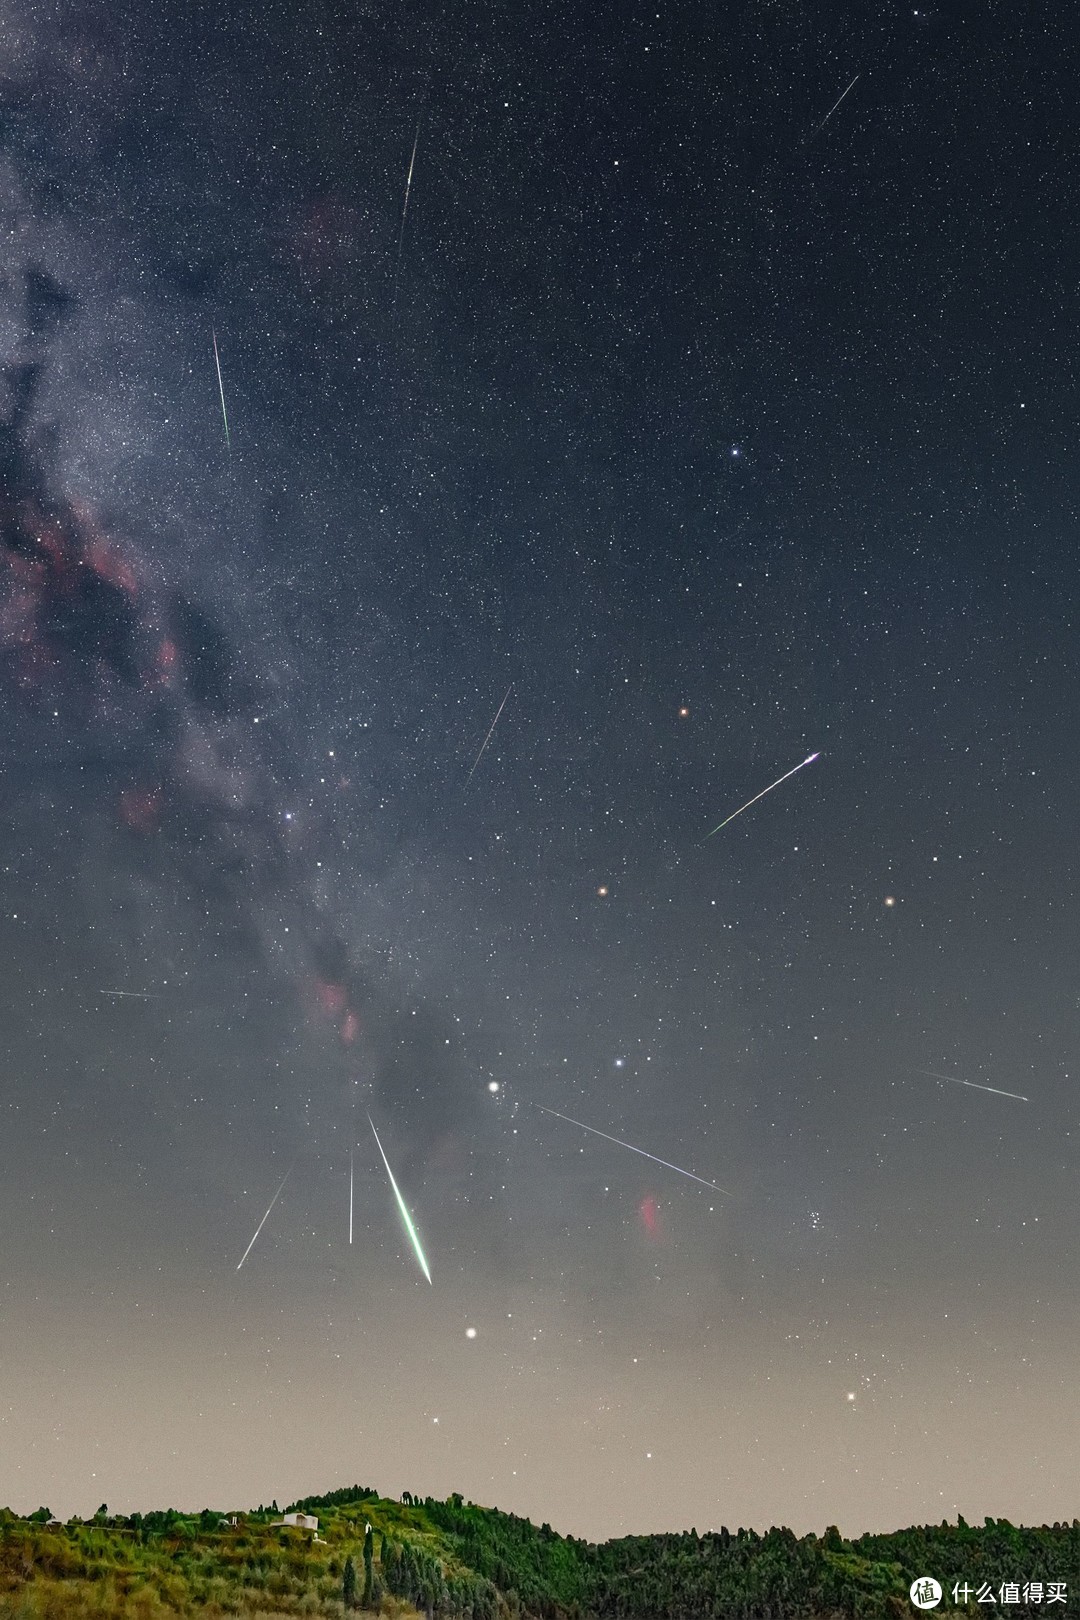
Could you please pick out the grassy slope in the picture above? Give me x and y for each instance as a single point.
(188, 1568)
(466, 1563)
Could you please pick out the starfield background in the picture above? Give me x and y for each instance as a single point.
(453, 458)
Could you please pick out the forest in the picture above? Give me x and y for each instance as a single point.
(452, 1560)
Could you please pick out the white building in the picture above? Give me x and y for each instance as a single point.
(299, 1521)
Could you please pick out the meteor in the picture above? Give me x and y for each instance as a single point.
(619, 1143)
(487, 739)
(409, 1227)
(408, 184)
(836, 104)
(932, 1075)
(350, 1195)
(405, 208)
(135, 995)
(221, 391)
(808, 761)
(266, 1217)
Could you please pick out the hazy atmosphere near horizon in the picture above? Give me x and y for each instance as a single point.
(453, 457)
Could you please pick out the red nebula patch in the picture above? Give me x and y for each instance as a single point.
(649, 1210)
(54, 547)
(141, 808)
(107, 562)
(330, 997)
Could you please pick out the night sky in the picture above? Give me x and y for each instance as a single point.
(711, 424)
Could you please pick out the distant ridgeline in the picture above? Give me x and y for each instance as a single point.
(453, 1561)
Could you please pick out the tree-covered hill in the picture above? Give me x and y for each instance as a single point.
(454, 1561)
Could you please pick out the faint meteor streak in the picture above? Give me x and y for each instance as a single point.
(350, 1195)
(931, 1074)
(405, 208)
(836, 104)
(808, 761)
(406, 1217)
(135, 995)
(221, 391)
(487, 739)
(408, 184)
(620, 1143)
(266, 1217)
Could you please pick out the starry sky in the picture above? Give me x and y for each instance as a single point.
(598, 367)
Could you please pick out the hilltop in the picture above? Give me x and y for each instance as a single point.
(454, 1561)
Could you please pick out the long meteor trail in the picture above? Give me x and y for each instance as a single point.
(487, 739)
(408, 184)
(350, 1195)
(221, 391)
(405, 211)
(836, 103)
(405, 1216)
(932, 1074)
(620, 1143)
(266, 1217)
(808, 761)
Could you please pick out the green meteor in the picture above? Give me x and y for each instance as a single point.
(406, 1217)
(809, 761)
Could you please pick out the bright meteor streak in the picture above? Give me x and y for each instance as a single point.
(221, 391)
(406, 1217)
(808, 761)
(266, 1217)
(350, 1195)
(487, 739)
(836, 103)
(932, 1075)
(620, 1143)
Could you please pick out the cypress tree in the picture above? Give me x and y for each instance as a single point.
(369, 1548)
